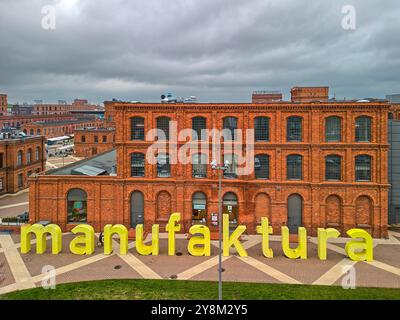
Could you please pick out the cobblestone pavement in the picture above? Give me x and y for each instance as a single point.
(20, 271)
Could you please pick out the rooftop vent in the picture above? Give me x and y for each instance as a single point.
(87, 170)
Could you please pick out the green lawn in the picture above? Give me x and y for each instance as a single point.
(196, 290)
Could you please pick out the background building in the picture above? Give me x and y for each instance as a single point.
(20, 158)
(91, 141)
(52, 129)
(3, 104)
(310, 94)
(266, 96)
(316, 165)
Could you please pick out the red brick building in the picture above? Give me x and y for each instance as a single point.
(309, 94)
(3, 104)
(266, 96)
(53, 129)
(89, 142)
(19, 158)
(63, 108)
(320, 164)
(18, 121)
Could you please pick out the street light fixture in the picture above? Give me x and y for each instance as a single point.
(221, 169)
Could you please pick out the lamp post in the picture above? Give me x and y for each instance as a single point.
(220, 169)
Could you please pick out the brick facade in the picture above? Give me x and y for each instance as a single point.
(58, 128)
(309, 94)
(341, 204)
(32, 160)
(89, 142)
(3, 104)
(18, 121)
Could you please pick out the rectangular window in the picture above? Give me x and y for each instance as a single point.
(137, 128)
(261, 166)
(20, 180)
(163, 166)
(1, 184)
(199, 166)
(231, 172)
(137, 165)
(294, 167)
(104, 139)
(83, 139)
(96, 139)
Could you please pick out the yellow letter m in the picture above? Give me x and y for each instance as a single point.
(40, 232)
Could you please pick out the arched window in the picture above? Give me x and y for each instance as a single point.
(199, 166)
(390, 115)
(333, 167)
(38, 132)
(261, 129)
(37, 154)
(231, 172)
(294, 167)
(199, 125)
(19, 158)
(230, 128)
(77, 206)
(261, 166)
(363, 129)
(262, 207)
(164, 208)
(295, 212)
(294, 129)
(29, 156)
(230, 206)
(31, 132)
(333, 129)
(363, 168)
(163, 126)
(363, 211)
(163, 165)
(199, 208)
(333, 211)
(137, 165)
(137, 128)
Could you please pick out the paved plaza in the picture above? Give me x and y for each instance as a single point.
(20, 271)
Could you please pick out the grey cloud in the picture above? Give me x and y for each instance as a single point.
(219, 50)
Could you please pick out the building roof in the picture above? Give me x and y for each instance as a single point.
(103, 161)
(61, 123)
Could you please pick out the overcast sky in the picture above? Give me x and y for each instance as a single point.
(218, 50)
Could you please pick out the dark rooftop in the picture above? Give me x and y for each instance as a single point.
(64, 122)
(105, 161)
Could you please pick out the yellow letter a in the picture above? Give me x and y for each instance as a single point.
(359, 250)
(204, 241)
(82, 244)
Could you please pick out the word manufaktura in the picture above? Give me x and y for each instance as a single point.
(358, 248)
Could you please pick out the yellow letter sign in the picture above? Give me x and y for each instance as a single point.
(323, 236)
(359, 250)
(122, 232)
(83, 244)
(204, 241)
(265, 230)
(143, 249)
(172, 227)
(40, 232)
(301, 250)
(233, 239)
